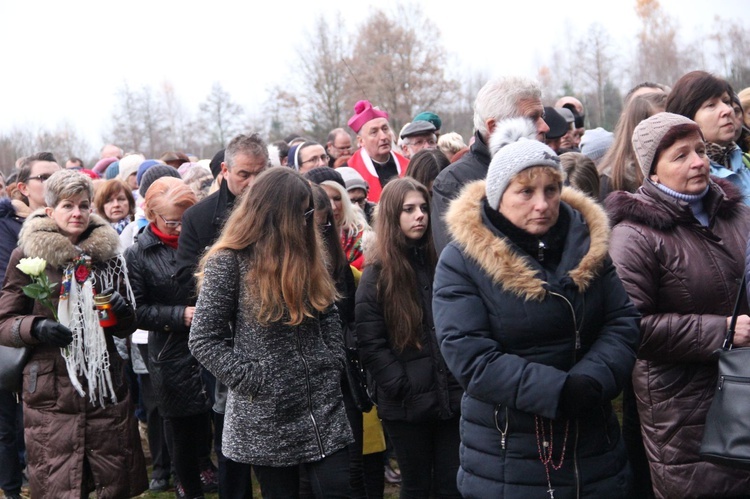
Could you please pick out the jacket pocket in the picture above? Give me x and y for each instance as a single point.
(254, 383)
(40, 385)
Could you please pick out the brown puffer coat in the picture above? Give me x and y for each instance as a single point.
(69, 440)
(684, 279)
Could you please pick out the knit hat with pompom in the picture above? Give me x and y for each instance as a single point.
(364, 112)
(514, 148)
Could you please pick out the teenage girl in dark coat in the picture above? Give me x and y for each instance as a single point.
(417, 397)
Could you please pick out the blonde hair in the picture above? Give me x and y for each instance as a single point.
(288, 278)
(352, 219)
(450, 143)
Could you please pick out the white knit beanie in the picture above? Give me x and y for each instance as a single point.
(515, 148)
(129, 165)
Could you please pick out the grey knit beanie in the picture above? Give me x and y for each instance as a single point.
(515, 148)
(153, 173)
(595, 143)
(649, 133)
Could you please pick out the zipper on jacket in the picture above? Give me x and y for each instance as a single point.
(309, 395)
(164, 347)
(736, 379)
(606, 425)
(575, 320)
(503, 432)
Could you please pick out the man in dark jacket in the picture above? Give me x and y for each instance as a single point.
(245, 158)
(506, 97)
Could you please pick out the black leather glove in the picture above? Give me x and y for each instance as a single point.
(120, 307)
(579, 395)
(54, 333)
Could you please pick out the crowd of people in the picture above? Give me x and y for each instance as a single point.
(323, 318)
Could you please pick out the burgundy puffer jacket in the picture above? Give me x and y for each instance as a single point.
(684, 279)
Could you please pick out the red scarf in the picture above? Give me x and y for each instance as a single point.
(167, 239)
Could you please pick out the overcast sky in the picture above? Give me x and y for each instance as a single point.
(65, 60)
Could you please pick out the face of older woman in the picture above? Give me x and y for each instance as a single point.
(683, 167)
(71, 216)
(169, 220)
(117, 207)
(716, 119)
(532, 204)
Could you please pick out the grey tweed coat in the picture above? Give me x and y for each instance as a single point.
(285, 405)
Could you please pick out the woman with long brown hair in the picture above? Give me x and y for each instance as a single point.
(618, 169)
(417, 398)
(264, 283)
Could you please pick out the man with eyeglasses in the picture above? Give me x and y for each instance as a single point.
(418, 135)
(338, 144)
(374, 159)
(33, 172)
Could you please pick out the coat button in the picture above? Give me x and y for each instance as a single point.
(167, 328)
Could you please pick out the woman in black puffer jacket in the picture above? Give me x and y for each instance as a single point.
(175, 374)
(538, 329)
(417, 397)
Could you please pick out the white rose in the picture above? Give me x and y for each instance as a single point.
(32, 266)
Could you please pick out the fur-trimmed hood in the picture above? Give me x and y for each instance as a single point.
(509, 269)
(653, 208)
(41, 237)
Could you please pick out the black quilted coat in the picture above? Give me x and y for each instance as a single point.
(175, 373)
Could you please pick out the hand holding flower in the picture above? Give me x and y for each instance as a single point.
(40, 288)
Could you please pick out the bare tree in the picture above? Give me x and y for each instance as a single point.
(181, 132)
(323, 71)
(63, 141)
(128, 130)
(154, 123)
(458, 116)
(282, 112)
(398, 63)
(220, 117)
(596, 67)
(16, 143)
(732, 41)
(658, 57)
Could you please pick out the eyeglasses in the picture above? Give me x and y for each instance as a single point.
(422, 142)
(172, 224)
(42, 178)
(342, 149)
(309, 213)
(323, 158)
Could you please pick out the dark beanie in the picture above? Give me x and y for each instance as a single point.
(145, 166)
(153, 173)
(216, 162)
(322, 173)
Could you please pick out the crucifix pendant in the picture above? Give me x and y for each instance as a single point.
(551, 493)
